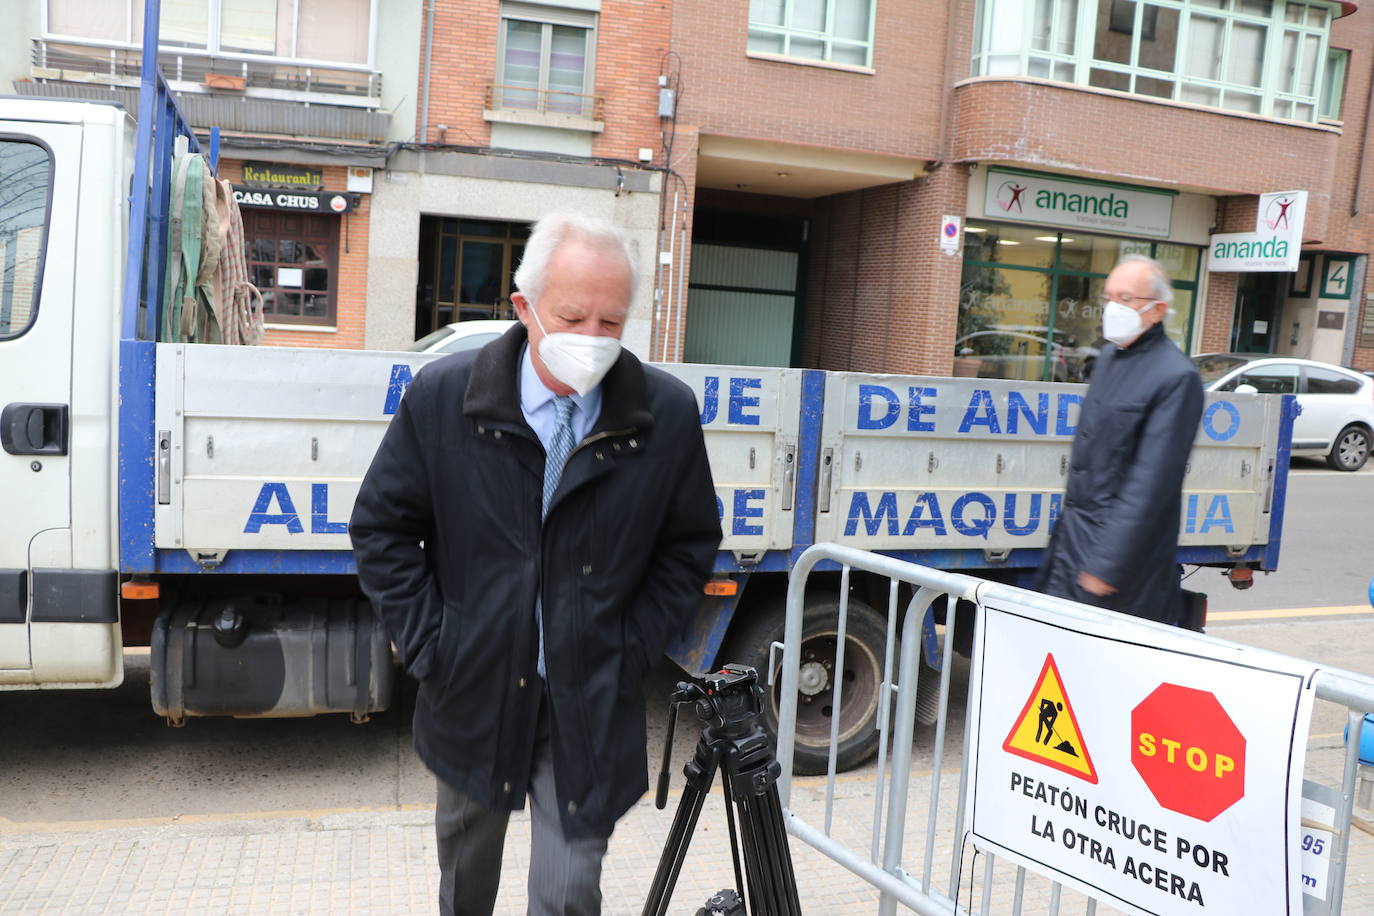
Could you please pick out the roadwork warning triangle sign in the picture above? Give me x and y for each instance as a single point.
(1047, 732)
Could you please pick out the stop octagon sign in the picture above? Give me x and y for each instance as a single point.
(1188, 751)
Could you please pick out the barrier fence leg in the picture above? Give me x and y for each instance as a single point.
(1340, 857)
(903, 735)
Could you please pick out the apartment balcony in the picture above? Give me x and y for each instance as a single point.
(236, 92)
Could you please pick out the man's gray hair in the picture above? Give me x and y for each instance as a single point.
(561, 226)
(1161, 287)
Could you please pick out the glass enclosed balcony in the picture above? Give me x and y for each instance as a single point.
(1264, 57)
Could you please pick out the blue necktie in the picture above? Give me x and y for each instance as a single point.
(560, 446)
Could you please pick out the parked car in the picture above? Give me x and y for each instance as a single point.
(461, 335)
(1337, 419)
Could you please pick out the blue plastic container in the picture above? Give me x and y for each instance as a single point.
(1366, 740)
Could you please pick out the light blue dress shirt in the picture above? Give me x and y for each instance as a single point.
(536, 403)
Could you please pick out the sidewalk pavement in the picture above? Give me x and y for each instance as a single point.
(382, 863)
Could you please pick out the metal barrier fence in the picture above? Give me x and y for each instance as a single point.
(909, 876)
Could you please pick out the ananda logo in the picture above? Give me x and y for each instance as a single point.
(1009, 195)
(1272, 247)
(1276, 214)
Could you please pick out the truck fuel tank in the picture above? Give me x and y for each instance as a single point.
(270, 656)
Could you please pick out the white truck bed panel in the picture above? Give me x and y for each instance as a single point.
(923, 463)
(267, 446)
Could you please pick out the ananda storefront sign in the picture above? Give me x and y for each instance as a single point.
(1056, 201)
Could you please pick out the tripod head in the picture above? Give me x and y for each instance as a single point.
(729, 701)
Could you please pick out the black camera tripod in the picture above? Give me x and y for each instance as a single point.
(730, 702)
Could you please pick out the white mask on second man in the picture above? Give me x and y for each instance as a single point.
(1121, 324)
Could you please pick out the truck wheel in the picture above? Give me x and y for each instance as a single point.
(1351, 450)
(865, 637)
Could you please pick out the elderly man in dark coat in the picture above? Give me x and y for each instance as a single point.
(1115, 543)
(537, 524)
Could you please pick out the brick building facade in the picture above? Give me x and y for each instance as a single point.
(786, 178)
(1096, 98)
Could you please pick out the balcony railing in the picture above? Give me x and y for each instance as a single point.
(119, 65)
(544, 101)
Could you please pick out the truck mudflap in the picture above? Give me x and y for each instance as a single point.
(265, 656)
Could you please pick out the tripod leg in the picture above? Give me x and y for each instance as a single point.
(752, 773)
(779, 855)
(767, 859)
(699, 773)
(734, 837)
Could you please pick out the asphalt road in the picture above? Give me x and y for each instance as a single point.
(97, 759)
(1326, 558)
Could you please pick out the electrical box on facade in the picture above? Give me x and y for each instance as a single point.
(667, 103)
(359, 179)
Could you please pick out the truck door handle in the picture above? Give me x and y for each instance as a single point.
(34, 429)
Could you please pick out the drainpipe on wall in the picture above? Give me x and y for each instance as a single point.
(429, 50)
(665, 335)
(684, 241)
(1359, 159)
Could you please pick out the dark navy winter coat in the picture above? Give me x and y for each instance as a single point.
(451, 551)
(1125, 483)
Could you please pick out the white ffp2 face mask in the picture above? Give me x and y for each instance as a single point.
(1121, 324)
(579, 361)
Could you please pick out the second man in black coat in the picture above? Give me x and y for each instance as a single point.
(1115, 543)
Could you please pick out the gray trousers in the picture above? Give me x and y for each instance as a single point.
(564, 876)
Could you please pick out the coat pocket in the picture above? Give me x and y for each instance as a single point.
(445, 653)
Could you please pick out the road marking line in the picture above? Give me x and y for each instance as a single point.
(1279, 613)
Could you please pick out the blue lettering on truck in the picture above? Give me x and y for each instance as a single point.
(976, 514)
(880, 407)
(741, 408)
(744, 505)
(1210, 423)
(262, 513)
(401, 377)
(917, 408)
(1018, 409)
(981, 412)
(1218, 515)
(286, 514)
(891, 407)
(971, 514)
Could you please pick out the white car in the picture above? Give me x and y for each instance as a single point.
(462, 335)
(1337, 419)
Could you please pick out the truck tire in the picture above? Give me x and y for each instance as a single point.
(1351, 449)
(865, 637)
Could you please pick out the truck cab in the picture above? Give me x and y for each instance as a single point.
(64, 168)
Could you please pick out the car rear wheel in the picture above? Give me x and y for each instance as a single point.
(1351, 450)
